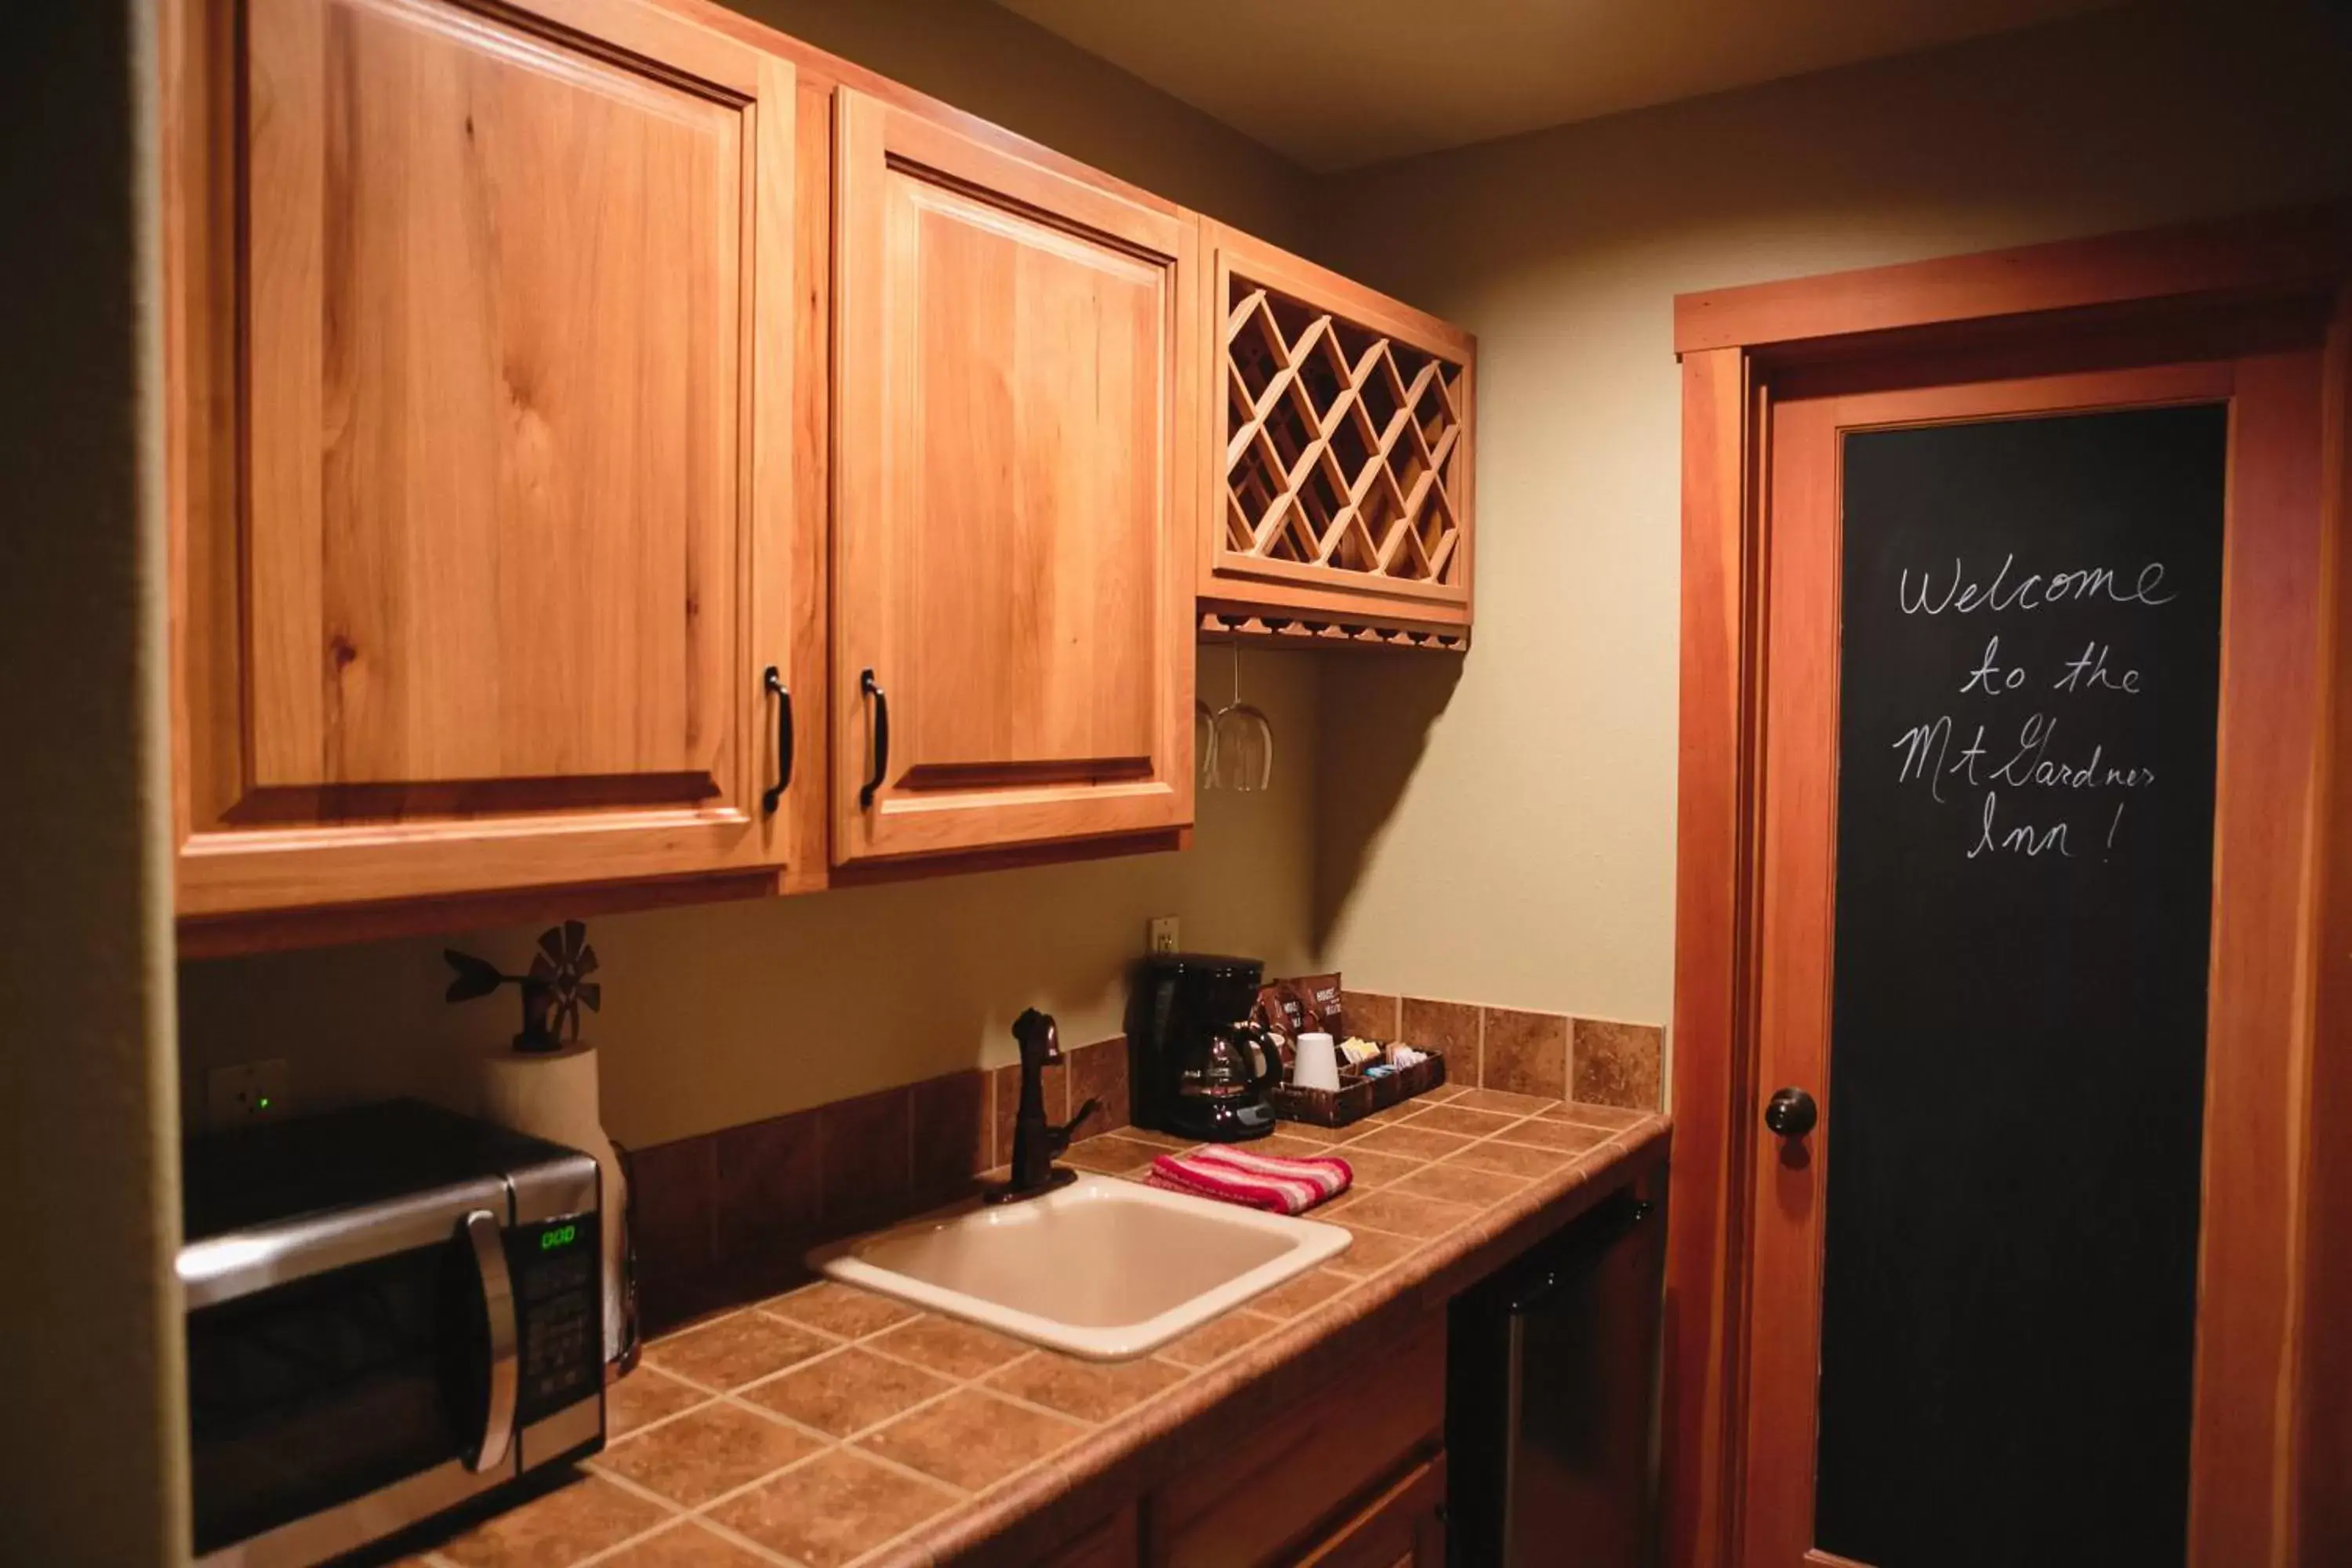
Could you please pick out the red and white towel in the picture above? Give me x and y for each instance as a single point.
(1260, 1181)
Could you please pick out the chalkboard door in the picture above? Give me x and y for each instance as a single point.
(2023, 639)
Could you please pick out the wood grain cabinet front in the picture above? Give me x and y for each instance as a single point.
(1013, 484)
(480, 356)
(1402, 1526)
(1344, 1475)
(1339, 425)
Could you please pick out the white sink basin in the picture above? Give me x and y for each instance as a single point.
(1101, 1268)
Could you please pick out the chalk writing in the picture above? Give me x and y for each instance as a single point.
(1956, 759)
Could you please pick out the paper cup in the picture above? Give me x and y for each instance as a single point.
(1317, 1063)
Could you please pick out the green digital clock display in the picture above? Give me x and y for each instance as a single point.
(556, 1237)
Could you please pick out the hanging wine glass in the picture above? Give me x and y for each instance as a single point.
(1204, 745)
(1243, 741)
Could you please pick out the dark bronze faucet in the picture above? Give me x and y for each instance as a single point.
(1036, 1141)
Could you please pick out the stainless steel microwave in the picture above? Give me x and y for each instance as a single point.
(391, 1310)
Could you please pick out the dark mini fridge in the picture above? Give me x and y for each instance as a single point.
(1552, 1393)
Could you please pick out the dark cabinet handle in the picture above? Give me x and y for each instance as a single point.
(873, 687)
(776, 792)
(1792, 1113)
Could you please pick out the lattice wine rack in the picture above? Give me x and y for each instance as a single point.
(1345, 493)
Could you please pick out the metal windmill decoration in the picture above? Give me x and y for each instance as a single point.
(554, 990)
(562, 965)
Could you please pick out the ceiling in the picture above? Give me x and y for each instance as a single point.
(1336, 83)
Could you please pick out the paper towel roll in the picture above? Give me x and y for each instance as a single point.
(553, 1095)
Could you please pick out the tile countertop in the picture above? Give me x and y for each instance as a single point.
(828, 1427)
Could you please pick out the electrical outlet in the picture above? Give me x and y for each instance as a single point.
(1163, 933)
(242, 1093)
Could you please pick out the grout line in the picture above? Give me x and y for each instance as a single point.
(696, 1385)
(737, 1537)
(1026, 1350)
(920, 1404)
(675, 1509)
(642, 1428)
(1034, 1408)
(962, 1494)
(702, 1509)
(607, 1554)
(779, 1417)
(762, 1308)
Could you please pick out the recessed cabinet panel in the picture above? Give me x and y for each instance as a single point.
(1012, 593)
(496, 293)
(494, 548)
(1030, 489)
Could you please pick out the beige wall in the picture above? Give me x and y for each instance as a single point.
(1003, 68)
(90, 1328)
(1511, 837)
(727, 1013)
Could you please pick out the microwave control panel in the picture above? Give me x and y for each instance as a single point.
(558, 1315)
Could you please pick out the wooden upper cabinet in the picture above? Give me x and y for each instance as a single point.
(1014, 482)
(1338, 427)
(483, 361)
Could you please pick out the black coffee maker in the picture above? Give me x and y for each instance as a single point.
(1197, 1067)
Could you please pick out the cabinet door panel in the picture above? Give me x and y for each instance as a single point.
(1008, 558)
(494, 288)
(506, 554)
(1403, 1527)
(1255, 1501)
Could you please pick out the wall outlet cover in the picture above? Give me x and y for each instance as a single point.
(242, 1093)
(1163, 934)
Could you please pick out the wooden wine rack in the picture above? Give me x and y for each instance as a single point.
(1342, 424)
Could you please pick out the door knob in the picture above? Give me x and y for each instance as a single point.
(1792, 1113)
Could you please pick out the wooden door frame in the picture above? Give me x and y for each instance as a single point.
(2278, 274)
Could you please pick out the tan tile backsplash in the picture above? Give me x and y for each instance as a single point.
(1531, 1055)
(768, 1183)
(1617, 1063)
(1448, 1027)
(727, 1216)
(1372, 1014)
(1096, 1073)
(1525, 1053)
(952, 1132)
(866, 1160)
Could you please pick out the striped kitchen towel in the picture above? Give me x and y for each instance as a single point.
(1260, 1181)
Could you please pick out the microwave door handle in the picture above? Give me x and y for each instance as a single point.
(484, 1232)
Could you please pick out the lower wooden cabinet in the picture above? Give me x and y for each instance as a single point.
(1113, 1543)
(1403, 1527)
(1334, 1479)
